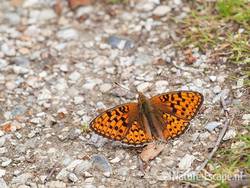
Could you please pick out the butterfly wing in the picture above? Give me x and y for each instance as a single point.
(175, 110)
(136, 135)
(120, 123)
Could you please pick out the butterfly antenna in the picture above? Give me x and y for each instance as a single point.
(125, 88)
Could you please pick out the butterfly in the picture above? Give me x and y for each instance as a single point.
(161, 117)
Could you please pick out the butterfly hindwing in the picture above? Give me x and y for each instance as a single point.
(174, 126)
(136, 135)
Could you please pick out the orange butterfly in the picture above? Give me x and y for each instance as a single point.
(161, 117)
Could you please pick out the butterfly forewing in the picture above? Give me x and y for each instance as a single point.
(182, 104)
(119, 123)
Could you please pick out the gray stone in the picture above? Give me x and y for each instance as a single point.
(97, 140)
(2, 173)
(213, 78)
(212, 125)
(161, 10)
(246, 117)
(18, 135)
(82, 167)
(115, 160)
(240, 83)
(3, 63)
(78, 100)
(6, 162)
(44, 94)
(186, 162)
(89, 185)
(105, 87)
(231, 133)
(2, 141)
(84, 10)
(30, 3)
(68, 34)
(62, 175)
(101, 163)
(146, 6)
(21, 179)
(3, 183)
(74, 76)
(47, 14)
(223, 94)
(21, 61)
(18, 110)
(198, 82)
(72, 177)
(23, 186)
(73, 164)
(161, 86)
(8, 50)
(91, 83)
(20, 70)
(123, 171)
(143, 87)
(64, 67)
(74, 133)
(12, 18)
(56, 184)
(3, 150)
(217, 89)
(120, 43)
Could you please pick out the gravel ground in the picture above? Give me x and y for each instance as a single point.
(57, 73)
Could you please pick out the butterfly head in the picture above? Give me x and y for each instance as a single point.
(142, 99)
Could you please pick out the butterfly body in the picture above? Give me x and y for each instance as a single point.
(147, 115)
(161, 117)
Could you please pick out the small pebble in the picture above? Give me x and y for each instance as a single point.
(3, 63)
(231, 133)
(212, 125)
(246, 117)
(217, 89)
(72, 177)
(74, 76)
(82, 167)
(101, 163)
(3, 183)
(8, 50)
(68, 34)
(47, 14)
(143, 87)
(213, 78)
(161, 10)
(62, 175)
(6, 162)
(22, 178)
(120, 43)
(2, 172)
(186, 162)
(56, 184)
(105, 87)
(78, 100)
(2, 141)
